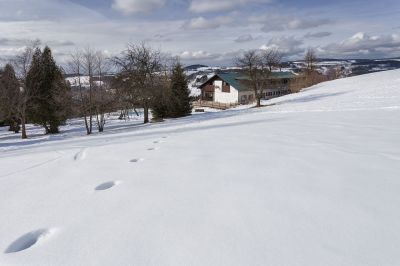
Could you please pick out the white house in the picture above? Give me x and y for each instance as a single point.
(229, 88)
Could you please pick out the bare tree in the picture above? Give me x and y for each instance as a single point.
(272, 58)
(310, 59)
(139, 71)
(89, 69)
(82, 63)
(103, 97)
(256, 70)
(312, 76)
(22, 64)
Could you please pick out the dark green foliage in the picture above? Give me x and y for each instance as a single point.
(160, 103)
(9, 98)
(180, 103)
(173, 97)
(51, 101)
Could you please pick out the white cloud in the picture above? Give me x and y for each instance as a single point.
(203, 6)
(25, 10)
(212, 36)
(23, 42)
(198, 55)
(159, 38)
(364, 45)
(301, 24)
(207, 23)
(244, 38)
(203, 57)
(321, 34)
(289, 46)
(137, 6)
(278, 22)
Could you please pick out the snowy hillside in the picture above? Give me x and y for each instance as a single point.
(312, 179)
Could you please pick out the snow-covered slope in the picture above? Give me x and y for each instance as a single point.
(312, 180)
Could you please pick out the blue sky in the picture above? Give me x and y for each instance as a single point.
(205, 31)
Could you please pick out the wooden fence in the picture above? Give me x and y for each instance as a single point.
(215, 105)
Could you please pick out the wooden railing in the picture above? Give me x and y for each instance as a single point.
(209, 88)
(215, 105)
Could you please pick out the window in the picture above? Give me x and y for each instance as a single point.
(226, 87)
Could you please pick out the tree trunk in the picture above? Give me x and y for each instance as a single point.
(53, 129)
(17, 128)
(258, 101)
(90, 124)
(122, 115)
(11, 126)
(46, 129)
(146, 114)
(88, 131)
(23, 126)
(100, 122)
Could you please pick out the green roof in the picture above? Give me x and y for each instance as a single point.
(234, 78)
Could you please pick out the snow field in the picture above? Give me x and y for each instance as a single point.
(311, 180)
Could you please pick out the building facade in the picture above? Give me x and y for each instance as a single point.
(230, 88)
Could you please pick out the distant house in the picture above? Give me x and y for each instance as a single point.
(229, 88)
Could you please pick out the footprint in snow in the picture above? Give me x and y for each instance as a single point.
(138, 160)
(81, 155)
(152, 149)
(29, 239)
(107, 185)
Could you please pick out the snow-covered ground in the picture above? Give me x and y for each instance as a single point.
(312, 179)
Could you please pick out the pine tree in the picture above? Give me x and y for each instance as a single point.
(160, 105)
(51, 93)
(33, 80)
(180, 101)
(9, 98)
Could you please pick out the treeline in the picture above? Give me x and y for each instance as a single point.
(33, 88)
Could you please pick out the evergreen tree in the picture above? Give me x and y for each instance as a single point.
(51, 93)
(160, 105)
(180, 101)
(9, 98)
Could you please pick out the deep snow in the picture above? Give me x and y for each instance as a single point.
(313, 179)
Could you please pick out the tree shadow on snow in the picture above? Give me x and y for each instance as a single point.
(310, 98)
(178, 125)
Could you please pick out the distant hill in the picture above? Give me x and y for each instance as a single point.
(194, 67)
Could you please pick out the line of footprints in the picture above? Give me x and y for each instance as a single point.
(32, 238)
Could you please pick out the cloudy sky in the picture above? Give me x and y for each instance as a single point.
(205, 31)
